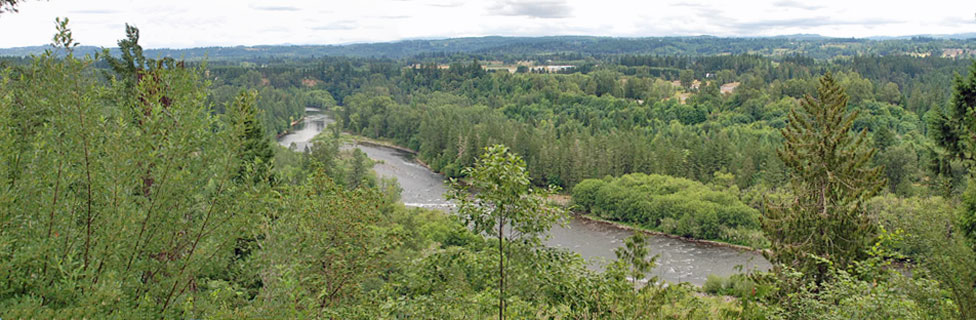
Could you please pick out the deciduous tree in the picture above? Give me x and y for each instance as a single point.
(504, 197)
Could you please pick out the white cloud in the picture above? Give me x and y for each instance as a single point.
(185, 23)
(532, 8)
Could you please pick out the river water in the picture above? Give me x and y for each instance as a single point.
(679, 261)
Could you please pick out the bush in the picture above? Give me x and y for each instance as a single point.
(714, 284)
(672, 205)
(737, 285)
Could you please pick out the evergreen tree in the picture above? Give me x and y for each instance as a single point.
(360, 168)
(953, 132)
(131, 67)
(687, 77)
(883, 138)
(634, 255)
(831, 180)
(952, 129)
(254, 151)
(131, 61)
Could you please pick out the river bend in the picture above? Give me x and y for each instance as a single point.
(680, 260)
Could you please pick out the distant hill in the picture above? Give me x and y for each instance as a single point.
(26, 51)
(960, 36)
(520, 47)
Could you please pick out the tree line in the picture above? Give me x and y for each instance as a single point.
(199, 214)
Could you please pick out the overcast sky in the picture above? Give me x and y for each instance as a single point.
(184, 23)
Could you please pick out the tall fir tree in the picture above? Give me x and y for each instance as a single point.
(254, 152)
(360, 168)
(832, 178)
(952, 131)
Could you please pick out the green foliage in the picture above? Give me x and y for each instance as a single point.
(360, 168)
(634, 256)
(253, 147)
(91, 226)
(832, 180)
(672, 205)
(132, 61)
(738, 285)
(871, 290)
(168, 224)
(926, 222)
(451, 282)
(843, 296)
(954, 135)
(559, 127)
(320, 247)
(950, 130)
(504, 196)
(967, 214)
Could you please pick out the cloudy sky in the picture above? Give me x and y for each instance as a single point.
(183, 23)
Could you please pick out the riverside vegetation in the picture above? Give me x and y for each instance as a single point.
(149, 188)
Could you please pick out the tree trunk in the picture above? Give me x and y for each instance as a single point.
(501, 270)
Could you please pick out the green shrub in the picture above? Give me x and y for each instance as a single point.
(737, 285)
(715, 285)
(672, 205)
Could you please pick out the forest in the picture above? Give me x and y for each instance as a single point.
(496, 47)
(135, 184)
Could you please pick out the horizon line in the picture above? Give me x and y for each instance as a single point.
(956, 36)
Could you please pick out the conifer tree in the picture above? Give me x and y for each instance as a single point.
(254, 151)
(953, 132)
(832, 178)
(360, 168)
(951, 129)
(636, 258)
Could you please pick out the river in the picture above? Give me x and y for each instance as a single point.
(679, 261)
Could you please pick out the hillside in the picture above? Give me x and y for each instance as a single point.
(581, 46)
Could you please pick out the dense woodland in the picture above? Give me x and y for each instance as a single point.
(568, 47)
(142, 186)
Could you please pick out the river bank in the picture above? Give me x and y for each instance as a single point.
(625, 226)
(565, 200)
(681, 260)
(290, 126)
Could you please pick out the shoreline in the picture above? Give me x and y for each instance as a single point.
(580, 215)
(376, 143)
(618, 225)
(288, 131)
(357, 139)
